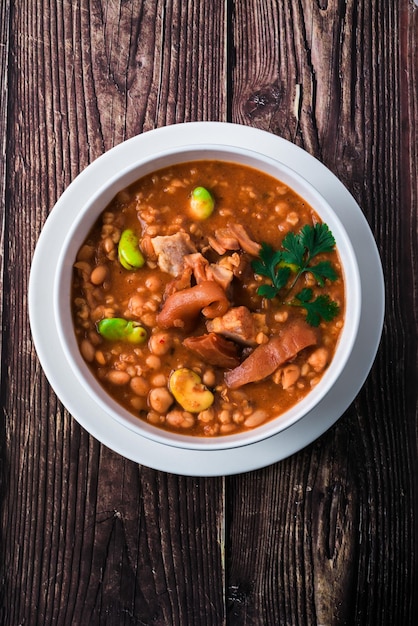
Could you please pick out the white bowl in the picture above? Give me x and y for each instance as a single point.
(89, 214)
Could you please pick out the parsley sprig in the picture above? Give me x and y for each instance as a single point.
(270, 265)
(322, 308)
(295, 258)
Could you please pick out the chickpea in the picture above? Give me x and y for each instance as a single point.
(210, 430)
(188, 420)
(304, 369)
(277, 376)
(238, 417)
(154, 418)
(206, 416)
(160, 399)
(153, 283)
(291, 374)
(153, 362)
(176, 418)
(319, 359)
(208, 378)
(160, 343)
(292, 218)
(261, 338)
(136, 305)
(281, 316)
(138, 403)
(140, 386)
(225, 416)
(159, 380)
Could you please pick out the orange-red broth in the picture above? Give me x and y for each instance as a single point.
(137, 377)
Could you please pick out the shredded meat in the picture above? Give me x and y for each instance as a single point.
(225, 240)
(199, 266)
(233, 237)
(245, 242)
(147, 248)
(266, 358)
(203, 271)
(220, 274)
(214, 350)
(183, 281)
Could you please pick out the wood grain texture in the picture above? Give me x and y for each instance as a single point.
(327, 536)
(89, 537)
(315, 74)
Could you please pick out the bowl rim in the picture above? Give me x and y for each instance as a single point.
(96, 204)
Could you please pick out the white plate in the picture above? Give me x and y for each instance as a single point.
(168, 458)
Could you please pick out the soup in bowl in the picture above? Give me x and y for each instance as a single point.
(207, 297)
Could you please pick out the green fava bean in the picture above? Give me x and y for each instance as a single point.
(130, 256)
(202, 203)
(117, 328)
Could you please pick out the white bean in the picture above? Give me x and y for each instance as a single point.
(118, 377)
(87, 350)
(257, 418)
(99, 275)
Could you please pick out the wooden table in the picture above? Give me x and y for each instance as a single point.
(327, 536)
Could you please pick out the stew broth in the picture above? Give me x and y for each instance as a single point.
(215, 357)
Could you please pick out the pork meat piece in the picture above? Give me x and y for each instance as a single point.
(238, 324)
(171, 250)
(214, 350)
(266, 358)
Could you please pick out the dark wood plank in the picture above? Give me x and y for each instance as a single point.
(328, 536)
(4, 60)
(331, 532)
(89, 537)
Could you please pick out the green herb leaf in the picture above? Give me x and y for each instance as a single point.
(305, 295)
(295, 257)
(317, 239)
(269, 265)
(267, 291)
(323, 270)
(294, 250)
(322, 308)
(301, 248)
(269, 257)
